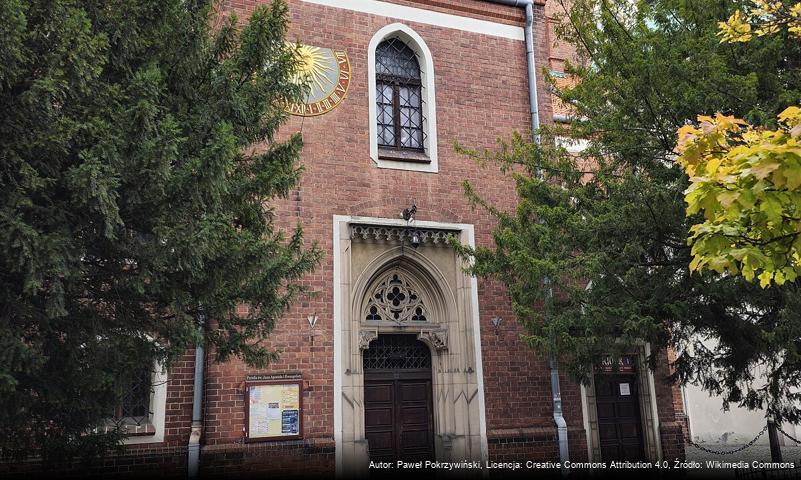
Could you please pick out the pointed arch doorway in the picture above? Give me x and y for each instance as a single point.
(398, 407)
(386, 289)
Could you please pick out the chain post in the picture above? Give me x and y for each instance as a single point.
(773, 438)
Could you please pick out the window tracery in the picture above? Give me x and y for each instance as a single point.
(395, 298)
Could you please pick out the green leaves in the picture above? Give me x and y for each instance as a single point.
(745, 180)
(609, 227)
(130, 196)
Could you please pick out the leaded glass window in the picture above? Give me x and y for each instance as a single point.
(399, 101)
(394, 298)
(135, 406)
(396, 352)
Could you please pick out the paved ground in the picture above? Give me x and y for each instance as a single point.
(755, 452)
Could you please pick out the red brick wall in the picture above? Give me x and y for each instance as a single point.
(670, 406)
(481, 95)
(481, 89)
(560, 51)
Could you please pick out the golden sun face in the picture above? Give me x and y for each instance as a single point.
(326, 73)
(313, 68)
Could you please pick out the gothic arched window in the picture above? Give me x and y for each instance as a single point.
(399, 107)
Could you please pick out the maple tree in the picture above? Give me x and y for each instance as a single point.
(762, 17)
(745, 179)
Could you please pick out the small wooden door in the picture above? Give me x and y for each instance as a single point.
(619, 420)
(398, 412)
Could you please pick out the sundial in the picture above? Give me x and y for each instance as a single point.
(327, 72)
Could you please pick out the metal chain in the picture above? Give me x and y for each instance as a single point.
(787, 434)
(729, 452)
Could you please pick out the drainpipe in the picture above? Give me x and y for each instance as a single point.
(558, 418)
(531, 64)
(197, 396)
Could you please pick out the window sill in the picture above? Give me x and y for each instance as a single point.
(144, 429)
(411, 156)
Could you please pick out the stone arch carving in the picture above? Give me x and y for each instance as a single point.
(395, 297)
(427, 282)
(450, 331)
(424, 272)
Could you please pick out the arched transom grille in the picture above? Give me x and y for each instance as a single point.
(395, 298)
(396, 352)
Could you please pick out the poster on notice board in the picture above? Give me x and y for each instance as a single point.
(274, 410)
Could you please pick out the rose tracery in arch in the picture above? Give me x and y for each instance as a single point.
(394, 298)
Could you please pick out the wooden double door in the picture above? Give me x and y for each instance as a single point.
(398, 406)
(398, 415)
(619, 420)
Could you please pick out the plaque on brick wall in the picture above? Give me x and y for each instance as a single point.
(327, 73)
(274, 410)
(625, 364)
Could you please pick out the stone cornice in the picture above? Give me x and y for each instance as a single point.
(398, 234)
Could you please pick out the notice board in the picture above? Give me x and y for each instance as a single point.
(274, 410)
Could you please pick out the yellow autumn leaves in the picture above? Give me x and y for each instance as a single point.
(747, 180)
(764, 18)
(746, 183)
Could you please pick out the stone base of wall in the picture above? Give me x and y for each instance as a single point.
(316, 457)
(536, 444)
(520, 444)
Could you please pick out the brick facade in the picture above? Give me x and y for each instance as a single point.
(482, 95)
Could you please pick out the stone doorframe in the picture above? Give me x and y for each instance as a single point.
(453, 334)
(646, 387)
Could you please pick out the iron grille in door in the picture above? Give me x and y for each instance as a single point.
(397, 352)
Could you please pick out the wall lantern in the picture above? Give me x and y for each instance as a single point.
(415, 240)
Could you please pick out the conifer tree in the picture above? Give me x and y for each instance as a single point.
(608, 228)
(137, 161)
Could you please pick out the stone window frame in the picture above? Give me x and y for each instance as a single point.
(152, 429)
(427, 161)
